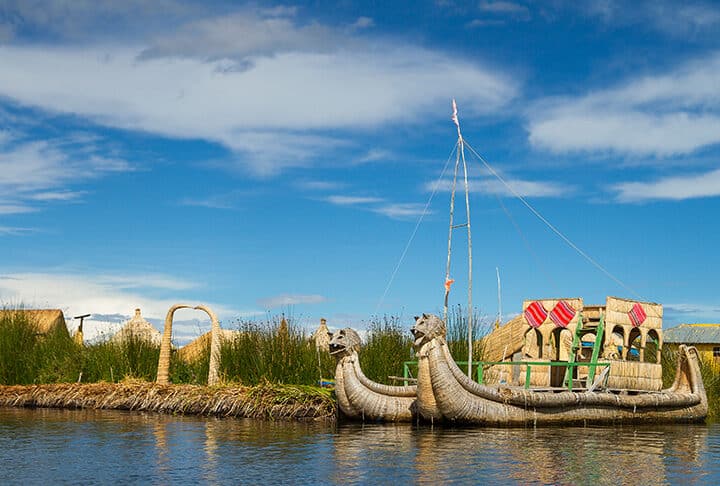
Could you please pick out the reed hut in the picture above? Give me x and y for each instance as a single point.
(194, 350)
(138, 328)
(46, 321)
(705, 337)
(321, 337)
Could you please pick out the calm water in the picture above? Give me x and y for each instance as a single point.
(90, 447)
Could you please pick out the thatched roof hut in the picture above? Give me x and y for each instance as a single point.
(322, 336)
(46, 320)
(194, 350)
(138, 328)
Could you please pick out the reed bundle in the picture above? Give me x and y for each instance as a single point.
(266, 401)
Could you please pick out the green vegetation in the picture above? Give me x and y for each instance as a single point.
(386, 348)
(29, 357)
(271, 352)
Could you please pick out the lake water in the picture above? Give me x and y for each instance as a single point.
(91, 447)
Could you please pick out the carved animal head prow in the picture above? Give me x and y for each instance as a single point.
(426, 328)
(344, 342)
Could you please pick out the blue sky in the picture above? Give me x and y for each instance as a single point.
(276, 157)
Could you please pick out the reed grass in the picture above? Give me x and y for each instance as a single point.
(387, 346)
(268, 352)
(457, 333)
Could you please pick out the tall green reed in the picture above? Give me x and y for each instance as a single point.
(268, 352)
(387, 346)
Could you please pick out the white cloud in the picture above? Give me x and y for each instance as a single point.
(402, 210)
(671, 188)
(102, 295)
(363, 23)
(692, 308)
(374, 155)
(291, 299)
(270, 95)
(42, 172)
(76, 20)
(658, 115)
(505, 8)
(321, 186)
(14, 231)
(353, 200)
(493, 186)
(685, 18)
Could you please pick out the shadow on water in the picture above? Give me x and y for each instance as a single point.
(89, 446)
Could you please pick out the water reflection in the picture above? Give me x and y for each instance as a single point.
(102, 446)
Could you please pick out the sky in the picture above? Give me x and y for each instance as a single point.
(292, 158)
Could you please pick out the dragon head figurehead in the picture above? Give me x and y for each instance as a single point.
(344, 342)
(426, 328)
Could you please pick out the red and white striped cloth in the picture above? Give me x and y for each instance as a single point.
(562, 314)
(535, 314)
(637, 315)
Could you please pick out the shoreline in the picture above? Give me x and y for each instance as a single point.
(267, 401)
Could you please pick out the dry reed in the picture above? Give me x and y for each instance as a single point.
(266, 401)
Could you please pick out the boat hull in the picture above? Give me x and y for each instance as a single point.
(463, 401)
(360, 398)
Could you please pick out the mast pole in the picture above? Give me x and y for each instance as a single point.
(448, 282)
(469, 237)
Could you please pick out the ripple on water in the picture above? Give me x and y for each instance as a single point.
(104, 446)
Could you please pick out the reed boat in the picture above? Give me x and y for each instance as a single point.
(360, 398)
(458, 399)
(568, 363)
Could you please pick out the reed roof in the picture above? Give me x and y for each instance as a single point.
(46, 320)
(194, 349)
(138, 328)
(693, 334)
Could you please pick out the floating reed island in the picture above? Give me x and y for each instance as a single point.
(266, 401)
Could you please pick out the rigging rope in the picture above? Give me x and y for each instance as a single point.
(417, 225)
(549, 225)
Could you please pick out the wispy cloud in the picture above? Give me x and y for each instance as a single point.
(402, 210)
(491, 186)
(671, 188)
(511, 9)
(227, 200)
(316, 186)
(14, 231)
(353, 200)
(244, 70)
(670, 17)
(363, 23)
(374, 155)
(40, 172)
(291, 299)
(662, 115)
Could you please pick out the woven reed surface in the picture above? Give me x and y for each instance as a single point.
(273, 402)
(464, 401)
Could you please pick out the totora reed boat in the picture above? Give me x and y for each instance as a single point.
(360, 398)
(446, 393)
(558, 363)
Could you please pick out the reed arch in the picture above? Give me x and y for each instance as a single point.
(163, 376)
